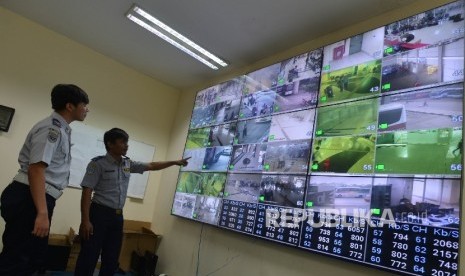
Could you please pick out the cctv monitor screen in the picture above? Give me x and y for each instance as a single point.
(262, 79)
(423, 67)
(422, 30)
(352, 150)
(298, 82)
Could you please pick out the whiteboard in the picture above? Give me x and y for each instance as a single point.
(87, 143)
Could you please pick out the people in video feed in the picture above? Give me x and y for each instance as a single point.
(257, 104)
(358, 81)
(298, 82)
(253, 131)
(429, 28)
(217, 158)
(282, 190)
(221, 135)
(248, 157)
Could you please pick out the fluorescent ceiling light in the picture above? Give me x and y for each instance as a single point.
(155, 26)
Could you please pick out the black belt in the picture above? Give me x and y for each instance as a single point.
(106, 208)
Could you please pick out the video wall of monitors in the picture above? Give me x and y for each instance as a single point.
(353, 150)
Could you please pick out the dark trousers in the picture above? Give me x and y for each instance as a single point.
(23, 253)
(106, 239)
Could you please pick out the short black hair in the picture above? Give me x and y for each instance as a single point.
(67, 93)
(114, 134)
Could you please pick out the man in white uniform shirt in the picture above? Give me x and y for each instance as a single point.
(27, 203)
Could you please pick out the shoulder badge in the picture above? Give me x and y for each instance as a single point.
(127, 165)
(53, 135)
(91, 168)
(98, 158)
(56, 122)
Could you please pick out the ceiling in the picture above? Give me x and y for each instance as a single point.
(241, 32)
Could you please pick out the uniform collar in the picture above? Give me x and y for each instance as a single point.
(62, 122)
(111, 159)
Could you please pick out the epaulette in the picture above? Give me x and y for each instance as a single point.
(56, 122)
(98, 158)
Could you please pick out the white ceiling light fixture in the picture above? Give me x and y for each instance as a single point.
(155, 26)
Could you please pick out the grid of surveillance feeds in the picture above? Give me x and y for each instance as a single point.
(353, 150)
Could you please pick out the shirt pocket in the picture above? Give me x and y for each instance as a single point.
(65, 151)
(109, 175)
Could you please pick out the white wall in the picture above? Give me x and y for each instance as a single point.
(33, 59)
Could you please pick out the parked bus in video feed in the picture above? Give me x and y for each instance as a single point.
(217, 159)
(423, 67)
(436, 152)
(243, 187)
(358, 81)
(355, 50)
(253, 131)
(431, 108)
(248, 157)
(350, 195)
(427, 201)
(262, 79)
(298, 82)
(344, 154)
(207, 209)
(282, 190)
(287, 157)
(432, 27)
(353, 118)
(292, 126)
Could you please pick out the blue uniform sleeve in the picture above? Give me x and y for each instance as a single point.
(92, 176)
(44, 143)
(139, 167)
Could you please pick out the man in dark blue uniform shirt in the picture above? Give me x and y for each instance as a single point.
(107, 177)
